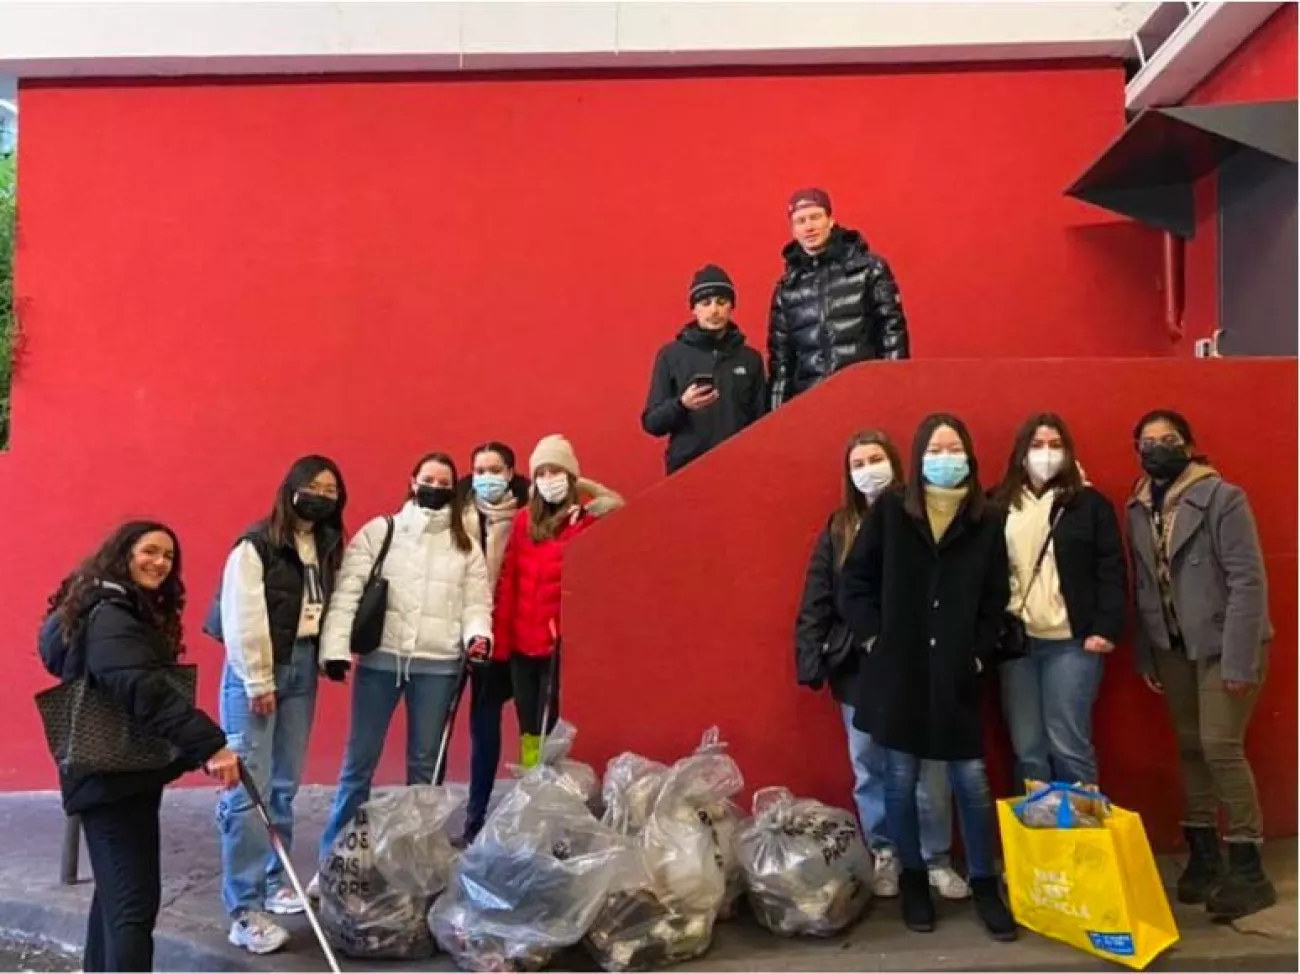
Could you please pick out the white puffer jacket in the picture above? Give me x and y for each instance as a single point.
(438, 596)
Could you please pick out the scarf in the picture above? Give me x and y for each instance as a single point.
(1162, 532)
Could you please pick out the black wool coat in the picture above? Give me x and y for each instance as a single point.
(931, 613)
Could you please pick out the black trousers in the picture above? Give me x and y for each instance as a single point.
(530, 676)
(123, 842)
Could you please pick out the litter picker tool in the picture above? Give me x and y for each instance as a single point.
(550, 686)
(282, 854)
(449, 722)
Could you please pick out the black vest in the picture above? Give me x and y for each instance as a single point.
(282, 576)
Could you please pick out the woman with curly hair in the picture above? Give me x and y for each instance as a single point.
(118, 618)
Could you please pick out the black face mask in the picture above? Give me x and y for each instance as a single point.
(1163, 462)
(313, 507)
(432, 498)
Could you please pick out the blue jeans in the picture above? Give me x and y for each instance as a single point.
(1047, 697)
(933, 796)
(970, 785)
(375, 693)
(274, 748)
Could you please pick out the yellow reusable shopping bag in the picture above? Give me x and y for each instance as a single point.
(1093, 888)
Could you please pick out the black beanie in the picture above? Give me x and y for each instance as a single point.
(711, 281)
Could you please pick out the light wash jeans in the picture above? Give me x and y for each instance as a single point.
(375, 693)
(274, 748)
(1047, 697)
(933, 796)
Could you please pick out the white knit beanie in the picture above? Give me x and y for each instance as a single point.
(557, 451)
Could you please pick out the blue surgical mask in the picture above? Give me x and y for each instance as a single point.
(489, 487)
(945, 469)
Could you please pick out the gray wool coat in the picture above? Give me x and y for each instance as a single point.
(1220, 591)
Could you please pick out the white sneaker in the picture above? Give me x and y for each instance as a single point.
(948, 884)
(257, 933)
(884, 884)
(284, 902)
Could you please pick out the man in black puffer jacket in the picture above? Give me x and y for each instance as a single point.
(707, 384)
(837, 302)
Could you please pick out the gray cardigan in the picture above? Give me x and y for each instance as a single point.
(1220, 591)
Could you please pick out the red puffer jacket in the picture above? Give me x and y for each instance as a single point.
(528, 591)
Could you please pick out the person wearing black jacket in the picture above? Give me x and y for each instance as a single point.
(1068, 587)
(707, 384)
(826, 652)
(837, 302)
(117, 621)
(924, 591)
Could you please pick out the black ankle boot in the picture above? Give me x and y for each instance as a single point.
(1204, 864)
(918, 908)
(992, 909)
(1245, 889)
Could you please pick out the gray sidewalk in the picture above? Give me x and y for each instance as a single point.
(192, 929)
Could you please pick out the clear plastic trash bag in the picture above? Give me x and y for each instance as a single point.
(580, 778)
(532, 882)
(807, 869)
(632, 784)
(662, 908)
(385, 870)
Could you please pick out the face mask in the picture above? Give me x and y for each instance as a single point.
(553, 489)
(945, 469)
(314, 507)
(1044, 464)
(489, 487)
(871, 479)
(1163, 462)
(432, 498)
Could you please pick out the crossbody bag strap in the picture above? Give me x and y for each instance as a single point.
(377, 568)
(1042, 555)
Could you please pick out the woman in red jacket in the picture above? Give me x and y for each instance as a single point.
(527, 619)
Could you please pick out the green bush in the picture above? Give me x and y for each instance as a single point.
(8, 324)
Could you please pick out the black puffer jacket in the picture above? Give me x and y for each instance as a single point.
(830, 310)
(126, 656)
(737, 372)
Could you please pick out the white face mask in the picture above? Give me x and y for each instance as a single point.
(872, 478)
(1044, 464)
(554, 488)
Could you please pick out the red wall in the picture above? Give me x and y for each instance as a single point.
(688, 597)
(1262, 69)
(215, 278)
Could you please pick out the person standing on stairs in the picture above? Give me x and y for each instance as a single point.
(1068, 587)
(924, 590)
(491, 499)
(836, 304)
(707, 384)
(1202, 642)
(274, 593)
(826, 652)
(528, 610)
(439, 612)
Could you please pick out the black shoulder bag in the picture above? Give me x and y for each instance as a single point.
(1013, 639)
(368, 624)
(90, 732)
